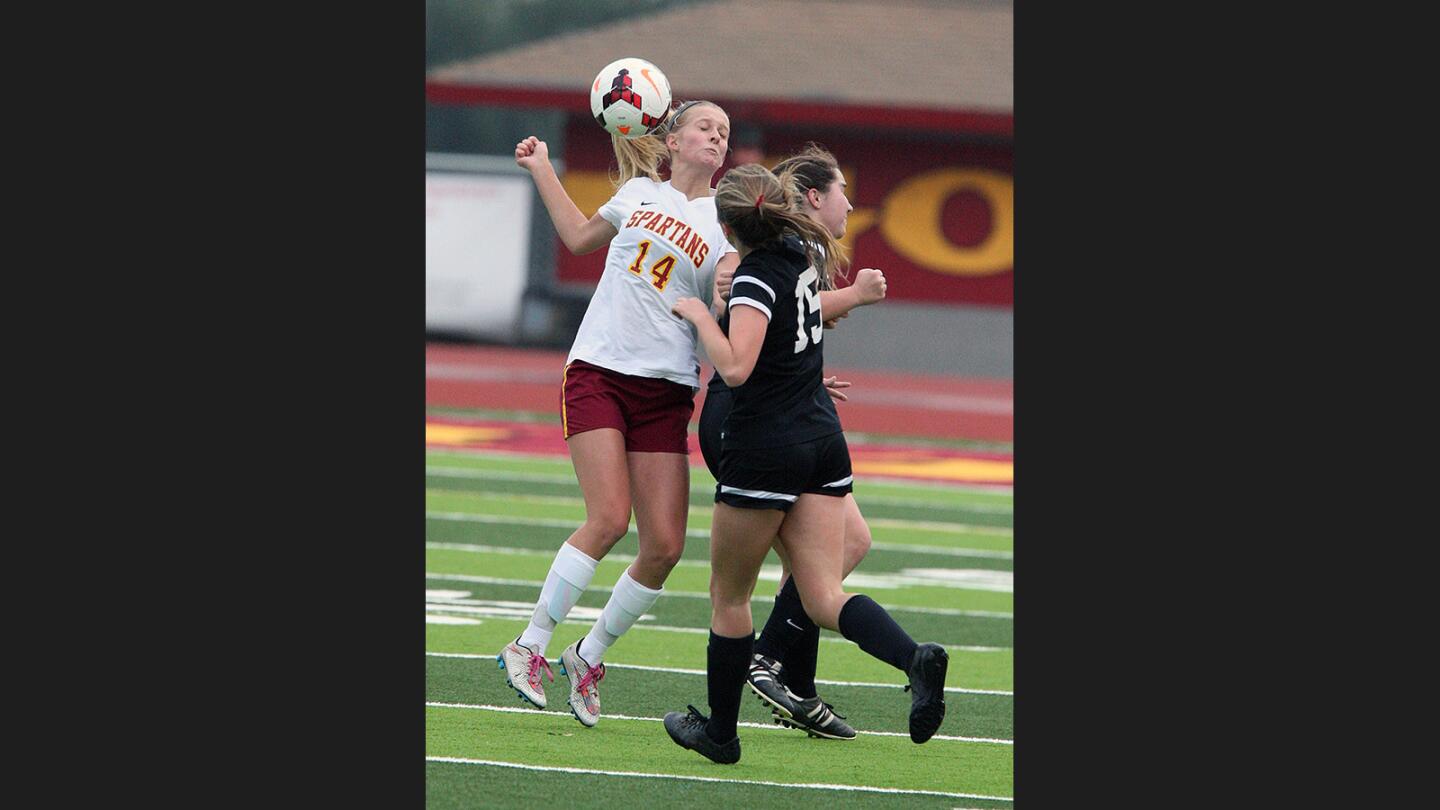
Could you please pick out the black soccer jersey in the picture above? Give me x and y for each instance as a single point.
(783, 401)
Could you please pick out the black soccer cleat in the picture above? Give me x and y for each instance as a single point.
(688, 731)
(764, 680)
(817, 718)
(927, 691)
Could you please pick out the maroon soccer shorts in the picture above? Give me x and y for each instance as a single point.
(652, 414)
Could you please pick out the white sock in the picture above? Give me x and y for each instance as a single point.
(568, 578)
(628, 602)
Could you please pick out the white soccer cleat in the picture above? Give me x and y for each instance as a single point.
(522, 667)
(584, 685)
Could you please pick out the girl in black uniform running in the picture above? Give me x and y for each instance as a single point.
(782, 669)
(783, 459)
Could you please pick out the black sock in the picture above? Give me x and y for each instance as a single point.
(799, 674)
(728, 659)
(780, 635)
(867, 624)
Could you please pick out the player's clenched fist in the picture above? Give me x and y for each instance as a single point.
(723, 277)
(870, 285)
(531, 153)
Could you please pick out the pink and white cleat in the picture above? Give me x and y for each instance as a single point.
(526, 663)
(584, 685)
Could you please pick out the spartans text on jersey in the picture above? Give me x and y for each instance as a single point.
(682, 235)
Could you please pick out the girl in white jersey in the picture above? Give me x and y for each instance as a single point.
(629, 383)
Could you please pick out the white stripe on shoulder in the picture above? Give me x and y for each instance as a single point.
(842, 482)
(758, 493)
(754, 281)
(752, 302)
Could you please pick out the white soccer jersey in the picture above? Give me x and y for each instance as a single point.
(666, 249)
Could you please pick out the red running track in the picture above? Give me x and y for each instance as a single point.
(886, 403)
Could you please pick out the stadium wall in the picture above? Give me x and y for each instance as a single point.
(934, 211)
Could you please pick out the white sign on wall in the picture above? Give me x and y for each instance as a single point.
(477, 244)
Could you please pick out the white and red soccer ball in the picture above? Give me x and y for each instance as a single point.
(630, 97)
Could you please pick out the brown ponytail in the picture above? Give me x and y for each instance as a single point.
(761, 209)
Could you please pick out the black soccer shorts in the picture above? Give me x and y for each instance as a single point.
(774, 477)
(712, 418)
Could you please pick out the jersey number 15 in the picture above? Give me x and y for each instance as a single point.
(807, 303)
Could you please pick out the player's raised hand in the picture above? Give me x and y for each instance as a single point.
(870, 285)
(531, 153)
(691, 309)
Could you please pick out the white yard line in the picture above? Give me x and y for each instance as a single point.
(707, 511)
(766, 726)
(478, 548)
(556, 478)
(484, 580)
(704, 534)
(562, 462)
(960, 579)
(880, 545)
(680, 671)
(940, 526)
(866, 498)
(501, 475)
(637, 774)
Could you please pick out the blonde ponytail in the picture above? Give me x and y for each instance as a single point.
(642, 156)
(639, 157)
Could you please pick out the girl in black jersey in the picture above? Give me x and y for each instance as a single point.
(783, 460)
(782, 669)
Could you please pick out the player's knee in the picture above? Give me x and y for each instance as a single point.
(822, 605)
(726, 600)
(609, 524)
(727, 593)
(663, 553)
(857, 542)
(730, 619)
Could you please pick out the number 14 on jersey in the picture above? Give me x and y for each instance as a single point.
(659, 271)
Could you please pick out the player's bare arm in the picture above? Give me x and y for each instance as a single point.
(580, 235)
(869, 288)
(734, 356)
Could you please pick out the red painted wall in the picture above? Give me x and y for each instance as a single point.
(937, 217)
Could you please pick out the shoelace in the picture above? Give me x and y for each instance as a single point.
(592, 676)
(695, 716)
(536, 662)
(825, 711)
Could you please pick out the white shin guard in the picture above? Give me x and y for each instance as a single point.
(628, 602)
(569, 576)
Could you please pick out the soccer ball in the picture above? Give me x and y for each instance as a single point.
(630, 97)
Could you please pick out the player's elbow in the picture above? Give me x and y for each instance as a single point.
(735, 374)
(576, 246)
(581, 248)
